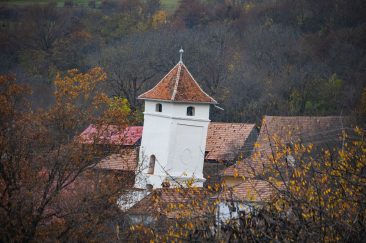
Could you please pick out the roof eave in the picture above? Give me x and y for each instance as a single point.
(213, 102)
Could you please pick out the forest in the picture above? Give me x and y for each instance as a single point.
(255, 58)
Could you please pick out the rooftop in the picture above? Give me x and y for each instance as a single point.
(126, 160)
(226, 140)
(111, 134)
(174, 202)
(289, 130)
(180, 86)
(250, 191)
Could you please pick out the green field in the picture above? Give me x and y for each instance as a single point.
(60, 3)
(168, 5)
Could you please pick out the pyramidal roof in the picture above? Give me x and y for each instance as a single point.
(180, 86)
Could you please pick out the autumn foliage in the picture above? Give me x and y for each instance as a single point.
(47, 185)
(317, 196)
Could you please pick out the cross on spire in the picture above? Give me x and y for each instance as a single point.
(181, 54)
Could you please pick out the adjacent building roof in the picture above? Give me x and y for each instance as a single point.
(180, 86)
(289, 130)
(126, 160)
(226, 140)
(250, 191)
(175, 202)
(196, 202)
(244, 167)
(111, 134)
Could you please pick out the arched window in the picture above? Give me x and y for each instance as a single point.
(159, 108)
(190, 111)
(151, 165)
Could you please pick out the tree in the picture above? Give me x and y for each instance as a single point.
(47, 185)
(317, 194)
(130, 68)
(191, 12)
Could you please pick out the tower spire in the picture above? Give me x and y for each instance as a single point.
(181, 54)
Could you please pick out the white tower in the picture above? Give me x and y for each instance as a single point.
(173, 141)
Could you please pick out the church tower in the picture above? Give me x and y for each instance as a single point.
(176, 119)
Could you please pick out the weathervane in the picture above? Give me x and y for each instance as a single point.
(181, 54)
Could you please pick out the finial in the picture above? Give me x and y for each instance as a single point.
(181, 54)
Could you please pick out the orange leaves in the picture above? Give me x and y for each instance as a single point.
(79, 99)
(10, 92)
(236, 174)
(160, 17)
(75, 85)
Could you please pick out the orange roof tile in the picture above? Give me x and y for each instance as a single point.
(250, 190)
(294, 129)
(226, 140)
(126, 160)
(178, 85)
(111, 134)
(159, 201)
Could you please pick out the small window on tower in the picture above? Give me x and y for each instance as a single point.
(159, 108)
(190, 111)
(151, 165)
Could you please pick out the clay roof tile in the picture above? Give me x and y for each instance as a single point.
(180, 86)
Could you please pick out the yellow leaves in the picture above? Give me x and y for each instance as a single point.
(117, 111)
(75, 85)
(327, 191)
(248, 6)
(310, 148)
(278, 183)
(78, 96)
(324, 179)
(297, 173)
(159, 18)
(236, 173)
(190, 225)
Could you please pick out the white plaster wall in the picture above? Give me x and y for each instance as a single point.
(224, 214)
(188, 149)
(202, 111)
(178, 141)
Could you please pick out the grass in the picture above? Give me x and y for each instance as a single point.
(167, 5)
(60, 3)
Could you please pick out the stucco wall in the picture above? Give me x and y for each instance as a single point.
(178, 141)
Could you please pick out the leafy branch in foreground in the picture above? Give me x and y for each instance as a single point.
(47, 186)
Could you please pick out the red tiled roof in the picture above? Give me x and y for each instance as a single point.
(226, 140)
(111, 134)
(161, 200)
(241, 168)
(198, 200)
(178, 85)
(126, 160)
(294, 129)
(251, 190)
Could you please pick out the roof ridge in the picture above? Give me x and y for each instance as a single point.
(178, 85)
(158, 82)
(212, 99)
(294, 117)
(233, 123)
(177, 80)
